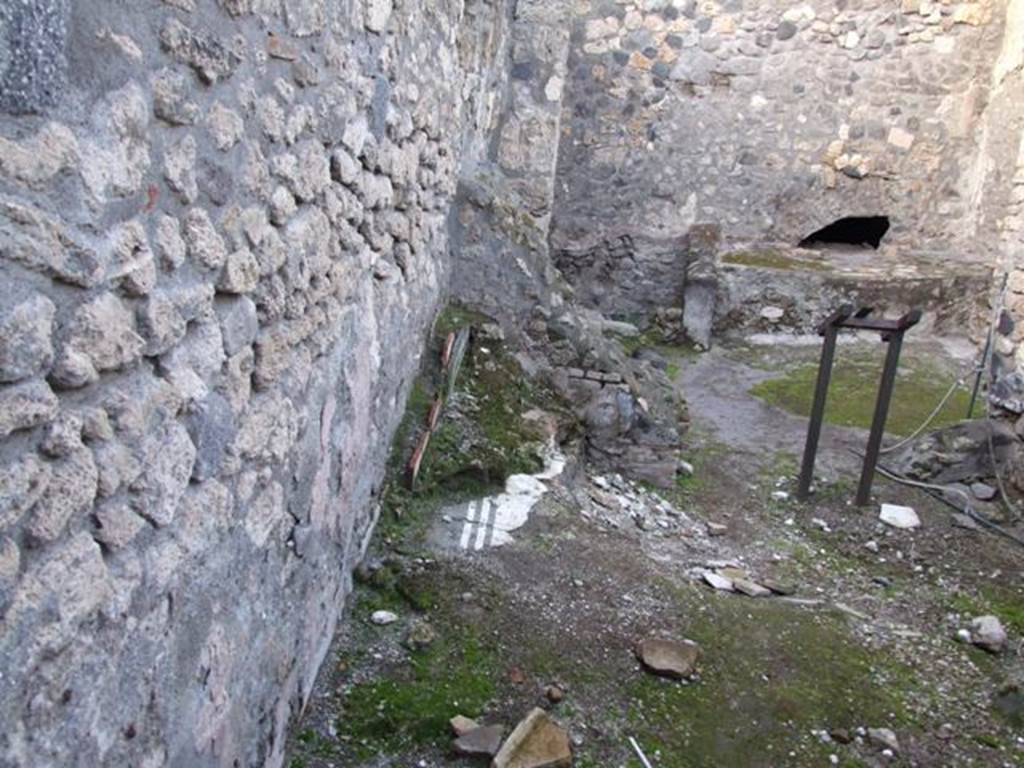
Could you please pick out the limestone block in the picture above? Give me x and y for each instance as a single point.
(180, 169)
(237, 384)
(22, 484)
(170, 457)
(170, 98)
(267, 430)
(115, 155)
(26, 349)
(72, 580)
(102, 335)
(117, 524)
(25, 405)
(264, 512)
(161, 324)
(34, 240)
(211, 426)
(117, 467)
(378, 12)
(169, 244)
(282, 206)
(225, 125)
(204, 52)
(71, 491)
(131, 260)
(63, 436)
(35, 161)
(241, 273)
(205, 245)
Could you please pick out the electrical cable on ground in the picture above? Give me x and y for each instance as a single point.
(931, 416)
(982, 366)
(938, 491)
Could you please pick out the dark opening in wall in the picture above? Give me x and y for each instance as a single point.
(850, 230)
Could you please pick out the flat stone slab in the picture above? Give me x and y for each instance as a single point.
(718, 582)
(750, 588)
(480, 742)
(668, 658)
(537, 742)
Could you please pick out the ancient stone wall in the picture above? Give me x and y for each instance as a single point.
(502, 219)
(765, 121)
(999, 196)
(223, 235)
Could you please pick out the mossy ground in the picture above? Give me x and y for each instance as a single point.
(567, 602)
(770, 675)
(480, 439)
(921, 383)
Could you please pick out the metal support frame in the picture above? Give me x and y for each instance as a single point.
(892, 333)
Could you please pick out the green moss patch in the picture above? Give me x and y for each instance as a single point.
(480, 439)
(770, 673)
(920, 385)
(411, 706)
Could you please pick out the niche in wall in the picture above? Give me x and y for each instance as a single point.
(849, 230)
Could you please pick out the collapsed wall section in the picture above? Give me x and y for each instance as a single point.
(764, 122)
(223, 235)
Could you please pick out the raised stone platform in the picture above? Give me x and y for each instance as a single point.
(767, 288)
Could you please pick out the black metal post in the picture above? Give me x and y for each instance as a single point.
(828, 351)
(885, 388)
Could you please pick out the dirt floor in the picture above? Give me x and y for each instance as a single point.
(867, 639)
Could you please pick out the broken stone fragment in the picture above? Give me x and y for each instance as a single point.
(983, 491)
(884, 738)
(537, 742)
(718, 582)
(898, 516)
(668, 658)
(987, 633)
(480, 742)
(460, 724)
(717, 529)
(383, 618)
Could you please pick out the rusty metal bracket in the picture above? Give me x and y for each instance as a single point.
(891, 331)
